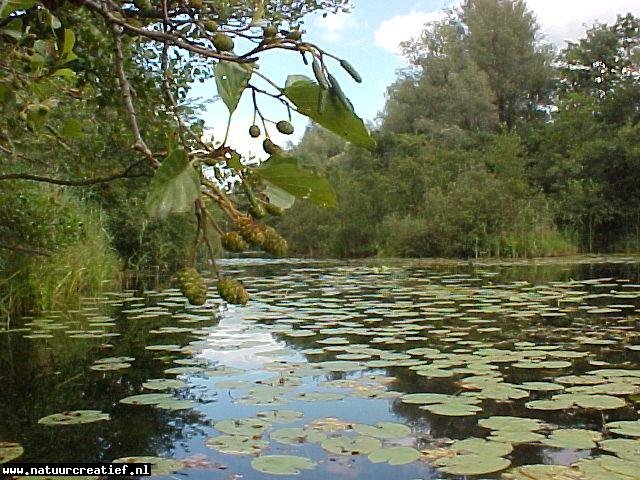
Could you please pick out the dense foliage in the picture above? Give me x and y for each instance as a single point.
(490, 145)
(94, 107)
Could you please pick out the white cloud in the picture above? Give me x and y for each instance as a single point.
(332, 27)
(401, 28)
(568, 19)
(560, 20)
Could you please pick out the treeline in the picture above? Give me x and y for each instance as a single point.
(490, 144)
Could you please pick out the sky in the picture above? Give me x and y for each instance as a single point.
(369, 37)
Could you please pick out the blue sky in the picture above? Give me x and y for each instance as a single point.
(368, 38)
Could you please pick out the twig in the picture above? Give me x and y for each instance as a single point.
(126, 88)
(74, 183)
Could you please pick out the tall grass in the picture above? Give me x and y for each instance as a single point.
(83, 267)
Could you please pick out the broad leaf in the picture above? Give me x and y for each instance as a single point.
(175, 186)
(331, 112)
(285, 173)
(13, 29)
(231, 79)
(279, 197)
(68, 42)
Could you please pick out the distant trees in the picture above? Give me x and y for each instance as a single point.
(491, 145)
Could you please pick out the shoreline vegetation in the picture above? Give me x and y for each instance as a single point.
(492, 143)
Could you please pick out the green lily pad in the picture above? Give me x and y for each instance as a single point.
(479, 446)
(424, 398)
(454, 408)
(622, 447)
(573, 438)
(282, 464)
(394, 455)
(318, 397)
(105, 367)
(515, 437)
(627, 428)
(511, 424)
(359, 445)
(163, 384)
(383, 430)
(147, 399)
(543, 472)
(472, 464)
(75, 417)
(246, 426)
(175, 404)
(295, 436)
(159, 466)
(10, 451)
(280, 416)
(237, 444)
(553, 404)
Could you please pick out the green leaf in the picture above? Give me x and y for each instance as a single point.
(282, 464)
(64, 73)
(231, 79)
(283, 172)
(72, 128)
(13, 29)
(279, 197)
(68, 42)
(331, 112)
(10, 6)
(175, 186)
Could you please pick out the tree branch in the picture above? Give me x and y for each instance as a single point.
(126, 88)
(72, 183)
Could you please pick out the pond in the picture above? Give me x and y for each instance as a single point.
(352, 370)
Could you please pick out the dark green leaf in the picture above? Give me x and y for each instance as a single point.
(285, 173)
(174, 187)
(334, 116)
(231, 80)
(13, 29)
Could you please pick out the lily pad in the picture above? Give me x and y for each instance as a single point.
(280, 416)
(472, 464)
(573, 438)
(147, 399)
(622, 447)
(10, 451)
(543, 472)
(159, 466)
(627, 428)
(163, 384)
(359, 445)
(105, 367)
(394, 455)
(237, 444)
(282, 464)
(511, 424)
(479, 446)
(383, 430)
(295, 436)
(246, 426)
(75, 417)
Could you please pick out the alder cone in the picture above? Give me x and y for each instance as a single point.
(254, 131)
(273, 210)
(251, 232)
(270, 147)
(274, 243)
(192, 286)
(257, 211)
(233, 242)
(232, 291)
(223, 42)
(284, 127)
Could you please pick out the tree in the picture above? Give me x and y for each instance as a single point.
(444, 88)
(146, 54)
(502, 39)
